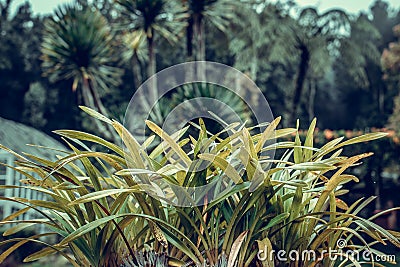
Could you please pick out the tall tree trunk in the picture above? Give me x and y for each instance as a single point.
(379, 182)
(92, 100)
(200, 38)
(254, 64)
(4, 12)
(151, 70)
(381, 99)
(136, 70)
(200, 43)
(189, 39)
(301, 77)
(311, 101)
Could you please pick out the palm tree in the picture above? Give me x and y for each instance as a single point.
(259, 36)
(359, 54)
(315, 38)
(4, 11)
(77, 45)
(391, 57)
(136, 53)
(218, 13)
(152, 18)
(239, 109)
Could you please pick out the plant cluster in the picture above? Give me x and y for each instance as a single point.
(98, 203)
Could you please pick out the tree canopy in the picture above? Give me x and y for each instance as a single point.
(307, 63)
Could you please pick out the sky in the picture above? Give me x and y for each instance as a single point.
(353, 6)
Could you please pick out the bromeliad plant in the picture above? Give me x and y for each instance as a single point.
(104, 217)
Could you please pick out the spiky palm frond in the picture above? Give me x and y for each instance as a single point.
(146, 259)
(359, 49)
(259, 36)
(316, 38)
(165, 18)
(77, 45)
(218, 13)
(232, 107)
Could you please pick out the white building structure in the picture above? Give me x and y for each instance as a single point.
(16, 136)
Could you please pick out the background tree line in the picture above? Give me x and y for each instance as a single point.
(336, 66)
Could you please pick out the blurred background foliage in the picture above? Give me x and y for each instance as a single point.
(340, 67)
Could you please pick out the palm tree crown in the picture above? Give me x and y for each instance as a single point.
(78, 45)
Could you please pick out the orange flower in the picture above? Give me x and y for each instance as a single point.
(328, 134)
(391, 133)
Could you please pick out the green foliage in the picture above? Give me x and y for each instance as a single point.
(98, 206)
(78, 45)
(147, 258)
(358, 51)
(261, 36)
(225, 96)
(262, 39)
(150, 16)
(35, 105)
(20, 37)
(148, 20)
(316, 37)
(394, 119)
(391, 65)
(20, 253)
(217, 14)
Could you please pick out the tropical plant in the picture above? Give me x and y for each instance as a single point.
(136, 53)
(391, 57)
(217, 13)
(232, 107)
(315, 35)
(147, 258)
(355, 69)
(358, 51)
(261, 42)
(108, 208)
(147, 20)
(260, 35)
(78, 46)
(189, 101)
(16, 259)
(21, 33)
(5, 7)
(150, 18)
